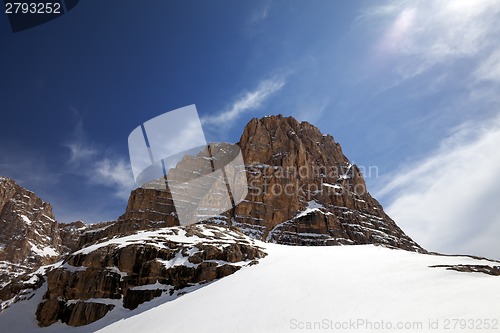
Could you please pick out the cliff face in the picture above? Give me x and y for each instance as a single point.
(302, 191)
(29, 235)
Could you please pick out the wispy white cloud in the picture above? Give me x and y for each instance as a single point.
(114, 173)
(312, 111)
(80, 151)
(96, 165)
(399, 31)
(449, 201)
(489, 70)
(250, 100)
(261, 12)
(79, 147)
(446, 199)
(428, 33)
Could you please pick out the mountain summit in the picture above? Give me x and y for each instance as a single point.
(303, 190)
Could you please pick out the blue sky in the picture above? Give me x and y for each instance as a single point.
(410, 87)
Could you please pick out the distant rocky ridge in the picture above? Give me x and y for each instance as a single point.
(30, 237)
(72, 233)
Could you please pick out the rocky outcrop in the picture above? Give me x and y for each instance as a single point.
(29, 235)
(29, 239)
(137, 268)
(78, 313)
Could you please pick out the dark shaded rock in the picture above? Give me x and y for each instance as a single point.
(134, 298)
(83, 313)
(49, 312)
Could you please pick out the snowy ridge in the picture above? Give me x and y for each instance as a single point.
(157, 238)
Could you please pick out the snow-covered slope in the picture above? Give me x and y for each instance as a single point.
(361, 287)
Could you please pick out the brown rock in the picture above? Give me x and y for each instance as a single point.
(134, 298)
(48, 312)
(291, 166)
(84, 313)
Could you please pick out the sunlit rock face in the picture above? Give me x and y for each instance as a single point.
(302, 190)
(29, 234)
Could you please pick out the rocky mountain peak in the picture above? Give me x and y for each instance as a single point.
(303, 190)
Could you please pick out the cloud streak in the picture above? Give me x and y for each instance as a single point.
(79, 147)
(261, 13)
(448, 202)
(429, 33)
(96, 165)
(250, 100)
(114, 173)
